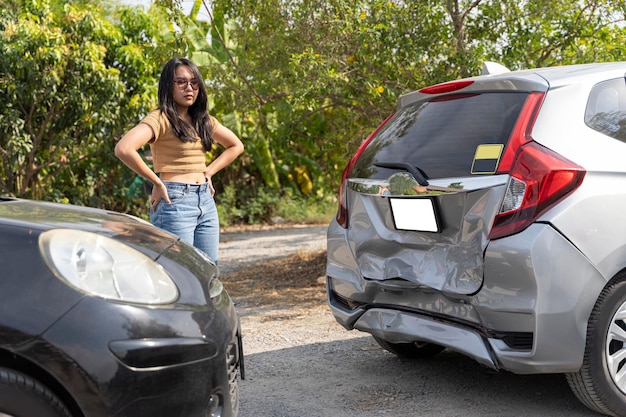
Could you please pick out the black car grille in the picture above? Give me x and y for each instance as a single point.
(234, 364)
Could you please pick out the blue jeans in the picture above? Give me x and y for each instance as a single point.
(191, 215)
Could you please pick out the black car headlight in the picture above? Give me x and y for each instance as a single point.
(215, 285)
(101, 266)
(215, 288)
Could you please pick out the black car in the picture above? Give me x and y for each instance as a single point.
(105, 315)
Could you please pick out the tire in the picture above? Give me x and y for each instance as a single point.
(23, 396)
(415, 350)
(600, 383)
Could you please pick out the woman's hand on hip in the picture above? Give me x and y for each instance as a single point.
(159, 192)
(210, 184)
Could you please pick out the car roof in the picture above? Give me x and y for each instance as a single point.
(537, 79)
(567, 72)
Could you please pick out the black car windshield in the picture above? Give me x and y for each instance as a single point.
(441, 136)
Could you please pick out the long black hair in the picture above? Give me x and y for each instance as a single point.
(201, 123)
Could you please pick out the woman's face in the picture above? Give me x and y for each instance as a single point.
(185, 87)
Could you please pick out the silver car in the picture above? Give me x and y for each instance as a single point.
(488, 215)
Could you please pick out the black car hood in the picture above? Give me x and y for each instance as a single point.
(40, 216)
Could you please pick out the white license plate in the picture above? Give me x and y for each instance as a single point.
(417, 214)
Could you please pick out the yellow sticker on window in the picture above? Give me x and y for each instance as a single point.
(487, 158)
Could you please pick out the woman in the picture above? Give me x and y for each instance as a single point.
(180, 132)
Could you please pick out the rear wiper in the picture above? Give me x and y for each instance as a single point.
(419, 175)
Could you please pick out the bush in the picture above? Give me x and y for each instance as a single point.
(264, 206)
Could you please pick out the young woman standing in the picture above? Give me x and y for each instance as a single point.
(180, 133)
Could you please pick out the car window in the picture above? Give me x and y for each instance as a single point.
(606, 108)
(441, 136)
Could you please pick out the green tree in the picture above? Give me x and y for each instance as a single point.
(74, 78)
(530, 34)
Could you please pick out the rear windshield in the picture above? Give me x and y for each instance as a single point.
(442, 137)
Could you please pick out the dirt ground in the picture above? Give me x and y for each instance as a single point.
(296, 280)
(301, 363)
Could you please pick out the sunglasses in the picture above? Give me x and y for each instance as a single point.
(182, 83)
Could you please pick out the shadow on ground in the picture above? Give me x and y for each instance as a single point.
(356, 378)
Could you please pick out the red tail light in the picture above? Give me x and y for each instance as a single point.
(446, 87)
(342, 211)
(539, 177)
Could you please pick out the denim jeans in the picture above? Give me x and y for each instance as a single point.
(191, 215)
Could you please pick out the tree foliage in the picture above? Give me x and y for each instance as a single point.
(302, 82)
(73, 79)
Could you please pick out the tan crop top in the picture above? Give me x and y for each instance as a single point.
(170, 154)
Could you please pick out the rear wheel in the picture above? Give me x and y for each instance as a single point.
(415, 350)
(23, 396)
(601, 381)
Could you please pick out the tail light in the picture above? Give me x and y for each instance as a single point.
(446, 87)
(539, 177)
(342, 211)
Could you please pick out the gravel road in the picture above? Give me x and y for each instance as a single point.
(245, 248)
(301, 363)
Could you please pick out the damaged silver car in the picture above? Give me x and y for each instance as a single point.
(486, 215)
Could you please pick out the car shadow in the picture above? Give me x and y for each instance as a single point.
(357, 378)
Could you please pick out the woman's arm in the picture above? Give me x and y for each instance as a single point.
(127, 151)
(233, 148)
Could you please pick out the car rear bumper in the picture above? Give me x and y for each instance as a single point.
(530, 316)
(401, 327)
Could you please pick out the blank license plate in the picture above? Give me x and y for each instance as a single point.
(417, 214)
